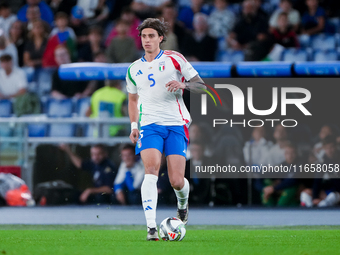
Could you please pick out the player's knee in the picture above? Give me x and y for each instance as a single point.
(177, 183)
(151, 170)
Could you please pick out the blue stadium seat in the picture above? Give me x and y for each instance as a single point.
(5, 112)
(5, 108)
(82, 106)
(304, 41)
(335, 24)
(230, 56)
(325, 55)
(63, 109)
(62, 130)
(37, 130)
(295, 55)
(323, 42)
(59, 108)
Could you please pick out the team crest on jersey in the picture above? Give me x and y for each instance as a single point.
(161, 66)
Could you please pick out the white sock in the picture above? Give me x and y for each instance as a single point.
(183, 195)
(149, 199)
(306, 199)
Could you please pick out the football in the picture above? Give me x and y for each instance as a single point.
(172, 229)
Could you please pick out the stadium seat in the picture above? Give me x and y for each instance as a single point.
(5, 112)
(62, 130)
(62, 109)
(325, 55)
(304, 41)
(37, 130)
(5, 108)
(323, 42)
(295, 55)
(231, 56)
(82, 105)
(59, 108)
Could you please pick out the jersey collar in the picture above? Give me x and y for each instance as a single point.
(157, 57)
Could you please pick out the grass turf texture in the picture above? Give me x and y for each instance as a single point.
(85, 239)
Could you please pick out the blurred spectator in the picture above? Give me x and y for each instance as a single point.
(95, 11)
(33, 14)
(109, 101)
(169, 14)
(17, 38)
(276, 154)
(255, 150)
(62, 89)
(61, 35)
(199, 188)
(45, 11)
(13, 81)
(284, 34)
(318, 150)
(8, 48)
(61, 5)
(293, 15)
(186, 13)
(326, 189)
(78, 25)
(122, 48)
(93, 46)
(283, 192)
(6, 18)
(250, 27)
(35, 45)
(199, 46)
(102, 169)
(61, 26)
(221, 21)
(129, 177)
(148, 8)
(314, 19)
(128, 16)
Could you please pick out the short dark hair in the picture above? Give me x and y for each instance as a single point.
(290, 1)
(330, 139)
(96, 30)
(102, 147)
(6, 58)
(4, 5)
(61, 15)
(127, 146)
(159, 25)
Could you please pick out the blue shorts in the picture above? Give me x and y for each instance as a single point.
(172, 140)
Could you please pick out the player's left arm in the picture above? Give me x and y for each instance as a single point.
(196, 85)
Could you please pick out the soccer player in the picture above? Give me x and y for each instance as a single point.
(155, 84)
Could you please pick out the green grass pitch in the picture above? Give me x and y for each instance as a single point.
(88, 239)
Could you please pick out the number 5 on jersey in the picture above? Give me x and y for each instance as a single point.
(151, 79)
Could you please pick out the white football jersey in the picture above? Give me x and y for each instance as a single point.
(156, 104)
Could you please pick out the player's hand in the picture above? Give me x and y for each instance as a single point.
(316, 201)
(134, 135)
(173, 86)
(267, 191)
(84, 196)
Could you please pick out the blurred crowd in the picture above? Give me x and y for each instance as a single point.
(41, 35)
(277, 146)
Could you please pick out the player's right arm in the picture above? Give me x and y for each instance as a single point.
(131, 87)
(133, 114)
